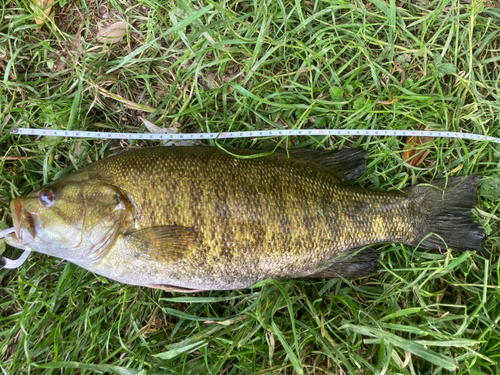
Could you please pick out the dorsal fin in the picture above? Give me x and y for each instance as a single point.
(347, 164)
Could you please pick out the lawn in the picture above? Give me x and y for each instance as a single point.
(205, 66)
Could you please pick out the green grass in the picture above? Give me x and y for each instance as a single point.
(241, 65)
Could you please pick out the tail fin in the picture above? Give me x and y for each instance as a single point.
(447, 205)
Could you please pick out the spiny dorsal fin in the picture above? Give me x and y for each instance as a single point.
(347, 164)
(163, 242)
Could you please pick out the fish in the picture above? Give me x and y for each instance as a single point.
(191, 219)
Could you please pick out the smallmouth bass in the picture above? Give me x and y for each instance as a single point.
(198, 218)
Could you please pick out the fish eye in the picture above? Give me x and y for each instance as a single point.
(46, 198)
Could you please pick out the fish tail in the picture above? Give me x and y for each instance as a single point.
(445, 208)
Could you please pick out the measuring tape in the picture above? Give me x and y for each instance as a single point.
(252, 134)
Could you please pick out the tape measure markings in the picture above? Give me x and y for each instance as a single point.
(252, 134)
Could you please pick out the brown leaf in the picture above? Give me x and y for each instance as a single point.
(415, 154)
(42, 15)
(157, 130)
(59, 65)
(113, 33)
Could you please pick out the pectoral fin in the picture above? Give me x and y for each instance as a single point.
(158, 243)
(362, 264)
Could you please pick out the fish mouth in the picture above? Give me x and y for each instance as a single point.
(24, 222)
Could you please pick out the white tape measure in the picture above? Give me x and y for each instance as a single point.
(252, 134)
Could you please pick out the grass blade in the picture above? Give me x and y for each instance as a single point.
(411, 346)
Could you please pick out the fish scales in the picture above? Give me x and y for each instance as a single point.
(200, 218)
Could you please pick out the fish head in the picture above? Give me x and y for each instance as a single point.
(76, 221)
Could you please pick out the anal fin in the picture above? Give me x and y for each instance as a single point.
(362, 264)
